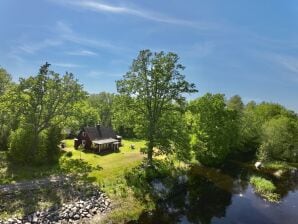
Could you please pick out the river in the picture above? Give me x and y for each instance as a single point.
(208, 195)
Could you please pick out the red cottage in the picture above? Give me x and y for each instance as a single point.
(98, 138)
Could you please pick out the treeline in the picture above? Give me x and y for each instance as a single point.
(41, 110)
(217, 127)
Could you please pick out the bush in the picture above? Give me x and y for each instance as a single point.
(24, 148)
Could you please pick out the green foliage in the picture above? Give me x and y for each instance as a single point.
(156, 85)
(53, 139)
(279, 140)
(46, 144)
(5, 80)
(124, 118)
(235, 103)
(47, 100)
(6, 114)
(265, 188)
(213, 129)
(83, 114)
(103, 103)
(20, 142)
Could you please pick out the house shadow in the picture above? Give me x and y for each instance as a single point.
(102, 152)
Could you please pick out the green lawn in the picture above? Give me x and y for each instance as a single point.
(113, 165)
(103, 167)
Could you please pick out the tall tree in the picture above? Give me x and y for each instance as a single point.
(46, 100)
(157, 86)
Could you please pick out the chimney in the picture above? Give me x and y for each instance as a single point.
(98, 127)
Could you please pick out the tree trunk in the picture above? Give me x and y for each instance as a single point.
(150, 153)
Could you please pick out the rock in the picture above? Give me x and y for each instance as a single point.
(71, 214)
(29, 218)
(258, 165)
(278, 173)
(76, 216)
(34, 219)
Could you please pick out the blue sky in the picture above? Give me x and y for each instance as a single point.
(240, 47)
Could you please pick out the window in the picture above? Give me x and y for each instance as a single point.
(83, 143)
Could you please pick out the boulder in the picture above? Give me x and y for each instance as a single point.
(258, 165)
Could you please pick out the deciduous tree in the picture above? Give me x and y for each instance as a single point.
(156, 84)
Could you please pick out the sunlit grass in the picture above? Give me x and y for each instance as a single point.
(112, 165)
(265, 188)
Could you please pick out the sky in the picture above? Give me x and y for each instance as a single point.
(249, 48)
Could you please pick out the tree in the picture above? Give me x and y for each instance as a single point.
(157, 86)
(103, 102)
(6, 120)
(124, 119)
(235, 103)
(5, 80)
(213, 128)
(279, 139)
(46, 100)
(83, 115)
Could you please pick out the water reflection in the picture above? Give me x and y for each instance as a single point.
(221, 196)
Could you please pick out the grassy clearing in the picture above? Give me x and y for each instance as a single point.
(265, 188)
(109, 167)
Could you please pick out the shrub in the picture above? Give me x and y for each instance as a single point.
(24, 148)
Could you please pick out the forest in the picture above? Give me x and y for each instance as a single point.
(152, 104)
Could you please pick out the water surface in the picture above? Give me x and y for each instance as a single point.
(209, 195)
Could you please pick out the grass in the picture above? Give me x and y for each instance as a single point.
(106, 171)
(112, 165)
(265, 188)
(280, 165)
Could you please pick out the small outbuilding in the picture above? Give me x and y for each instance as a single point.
(98, 138)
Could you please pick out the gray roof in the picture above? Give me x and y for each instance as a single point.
(99, 133)
(104, 141)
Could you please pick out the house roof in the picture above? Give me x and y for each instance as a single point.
(104, 141)
(99, 133)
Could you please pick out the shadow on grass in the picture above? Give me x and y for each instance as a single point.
(24, 202)
(101, 153)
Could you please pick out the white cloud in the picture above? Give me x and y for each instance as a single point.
(63, 34)
(66, 65)
(82, 53)
(290, 63)
(153, 16)
(32, 48)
